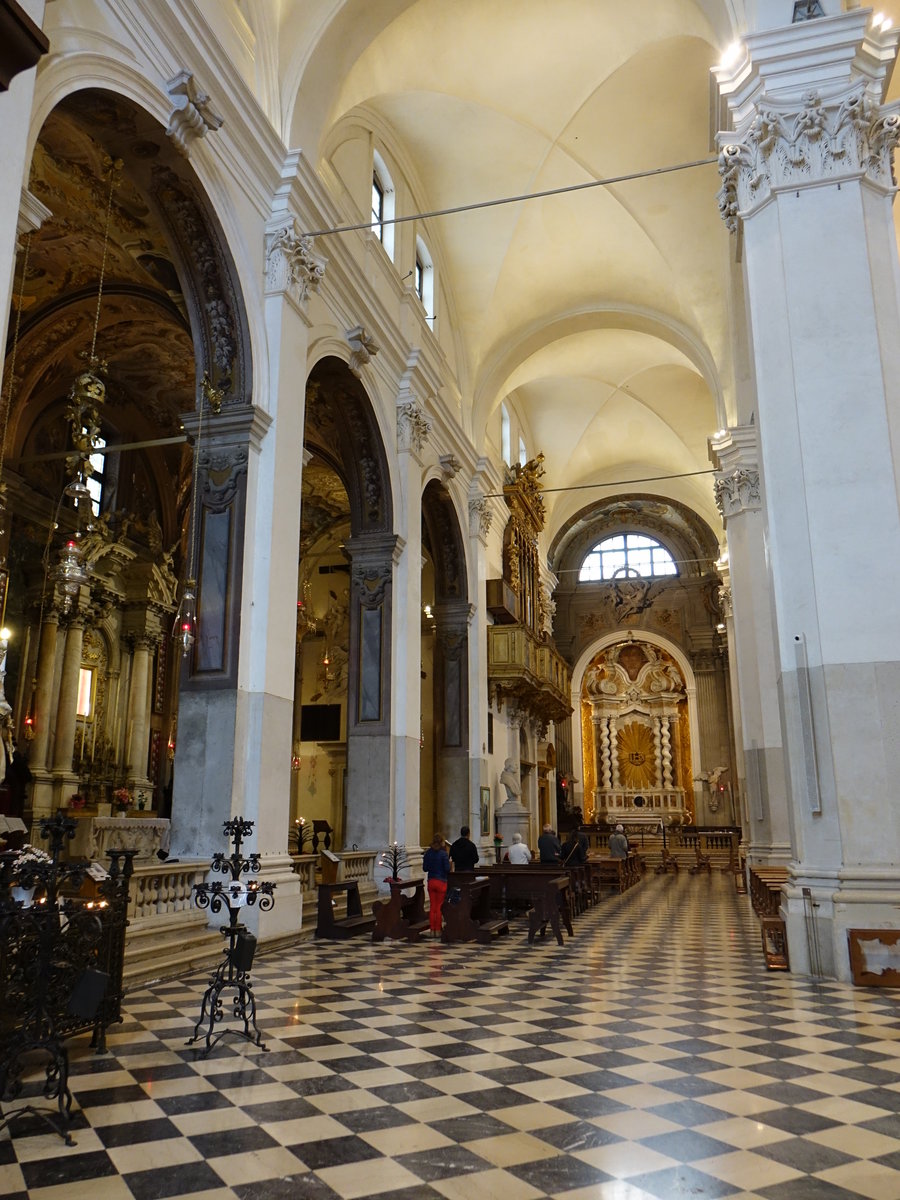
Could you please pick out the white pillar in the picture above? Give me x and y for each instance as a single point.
(735, 454)
(807, 181)
(413, 428)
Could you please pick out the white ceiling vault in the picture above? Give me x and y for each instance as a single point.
(601, 317)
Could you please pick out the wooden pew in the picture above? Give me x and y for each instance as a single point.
(467, 912)
(546, 908)
(354, 924)
(401, 916)
(524, 883)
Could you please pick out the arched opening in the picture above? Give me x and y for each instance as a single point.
(94, 674)
(445, 786)
(342, 698)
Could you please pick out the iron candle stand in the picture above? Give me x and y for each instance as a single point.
(233, 972)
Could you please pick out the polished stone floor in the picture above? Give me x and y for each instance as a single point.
(651, 1057)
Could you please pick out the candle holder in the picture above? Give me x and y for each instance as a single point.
(233, 972)
(60, 967)
(395, 859)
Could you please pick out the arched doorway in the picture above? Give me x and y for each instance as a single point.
(445, 786)
(342, 706)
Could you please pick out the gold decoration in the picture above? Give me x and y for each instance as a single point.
(587, 754)
(637, 756)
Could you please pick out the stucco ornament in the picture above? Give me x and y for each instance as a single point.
(292, 264)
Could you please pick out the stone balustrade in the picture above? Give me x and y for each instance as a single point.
(162, 888)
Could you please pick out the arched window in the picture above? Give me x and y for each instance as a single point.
(424, 278)
(505, 447)
(382, 203)
(523, 453)
(641, 554)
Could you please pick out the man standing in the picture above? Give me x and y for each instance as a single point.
(464, 852)
(548, 846)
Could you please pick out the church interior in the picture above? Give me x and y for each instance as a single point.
(419, 416)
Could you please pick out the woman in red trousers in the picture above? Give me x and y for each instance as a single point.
(437, 864)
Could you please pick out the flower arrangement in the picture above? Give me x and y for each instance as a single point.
(76, 801)
(122, 799)
(27, 861)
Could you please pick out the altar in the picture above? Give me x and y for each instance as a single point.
(96, 835)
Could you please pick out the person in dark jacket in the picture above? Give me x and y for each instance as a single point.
(436, 864)
(464, 852)
(549, 849)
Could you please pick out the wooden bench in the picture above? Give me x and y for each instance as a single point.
(354, 924)
(467, 912)
(615, 874)
(509, 884)
(401, 916)
(765, 889)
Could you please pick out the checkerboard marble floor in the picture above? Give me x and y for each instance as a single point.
(651, 1057)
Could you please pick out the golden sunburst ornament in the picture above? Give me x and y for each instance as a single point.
(637, 756)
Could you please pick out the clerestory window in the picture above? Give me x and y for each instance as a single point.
(642, 555)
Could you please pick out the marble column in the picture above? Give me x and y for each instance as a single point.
(752, 636)
(369, 699)
(807, 183)
(451, 652)
(46, 671)
(137, 746)
(481, 515)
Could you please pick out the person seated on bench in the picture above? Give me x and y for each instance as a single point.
(618, 843)
(464, 852)
(549, 849)
(519, 855)
(575, 850)
(436, 864)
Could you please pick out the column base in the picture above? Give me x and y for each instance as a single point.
(849, 898)
(286, 918)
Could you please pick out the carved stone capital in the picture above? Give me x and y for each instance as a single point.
(363, 347)
(292, 265)
(413, 426)
(192, 116)
(805, 102)
(480, 517)
(737, 491)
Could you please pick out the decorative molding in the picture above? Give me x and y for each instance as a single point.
(292, 265)
(371, 581)
(363, 347)
(725, 602)
(32, 213)
(413, 426)
(450, 466)
(737, 491)
(786, 147)
(480, 517)
(192, 117)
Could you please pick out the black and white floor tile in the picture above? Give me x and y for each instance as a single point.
(651, 1057)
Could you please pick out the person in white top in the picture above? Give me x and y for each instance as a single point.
(519, 854)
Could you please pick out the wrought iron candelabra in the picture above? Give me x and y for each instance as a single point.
(233, 972)
(60, 967)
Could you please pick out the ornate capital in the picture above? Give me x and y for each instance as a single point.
(737, 491)
(292, 265)
(192, 117)
(786, 146)
(363, 347)
(413, 427)
(480, 517)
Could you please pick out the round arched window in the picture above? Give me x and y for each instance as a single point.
(642, 555)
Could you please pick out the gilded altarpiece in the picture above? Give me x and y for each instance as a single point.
(636, 735)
